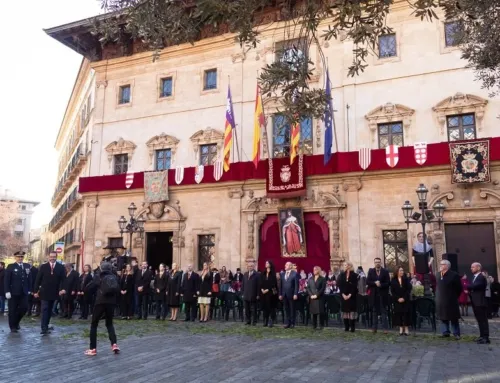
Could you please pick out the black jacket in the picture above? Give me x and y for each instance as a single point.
(250, 286)
(348, 286)
(477, 289)
(102, 299)
(70, 283)
(83, 283)
(18, 279)
(144, 281)
(377, 295)
(161, 283)
(34, 273)
(189, 287)
(48, 284)
(205, 285)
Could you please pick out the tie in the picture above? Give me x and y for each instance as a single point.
(474, 280)
(287, 275)
(142, 272)
(51, 268)
(250, 274)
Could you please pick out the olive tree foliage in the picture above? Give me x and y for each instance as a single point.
(161, 23)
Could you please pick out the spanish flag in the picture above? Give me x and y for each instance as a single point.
(259, 121)
(294, 141)
(228, 131)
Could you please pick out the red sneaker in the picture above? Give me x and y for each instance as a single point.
(92, 352)
(115, 348)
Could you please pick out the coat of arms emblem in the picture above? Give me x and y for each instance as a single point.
(420, 149)
(157, 209)
(199, 173)
(469, 163)
(285, 174)
(179, 174)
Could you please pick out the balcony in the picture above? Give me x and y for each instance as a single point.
(70, 174)
(72, 239)
(69, 206)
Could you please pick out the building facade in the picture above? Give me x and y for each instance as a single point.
(149, 116)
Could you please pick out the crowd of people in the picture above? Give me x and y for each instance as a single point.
(55, 288)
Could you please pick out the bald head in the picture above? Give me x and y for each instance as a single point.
(475, 268)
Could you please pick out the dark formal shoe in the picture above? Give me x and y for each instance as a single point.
(292, 326)
(51, 328)
(18, 328)
(248, 324)
(374, 330)
(13, 330)
(270, 324)
(483, 341)
(457, 337)
(44, 332)
(187, 320)
(286, 326)
(157, 318)
(254, 323)
(315, 327)
(445, 336)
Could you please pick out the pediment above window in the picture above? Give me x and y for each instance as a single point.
(161, 142)
(389, 113)
(207, 136)
(460, 103)
(120, 146)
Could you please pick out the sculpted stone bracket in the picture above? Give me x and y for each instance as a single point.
(236, 193)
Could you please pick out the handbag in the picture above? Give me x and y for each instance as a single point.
(215, 287)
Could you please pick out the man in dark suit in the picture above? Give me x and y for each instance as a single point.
(32, 301)
(250, 290)
(49, 286)
(477, 291)
(143, 287)
(70, 286)
(378, 282)
(17, 289)
(289, 287)
(189, 287)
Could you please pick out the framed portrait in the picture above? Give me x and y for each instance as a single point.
(292, 232)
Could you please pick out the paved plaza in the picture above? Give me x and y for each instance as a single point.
(155, 351)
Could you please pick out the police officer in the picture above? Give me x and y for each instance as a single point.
(17, 289)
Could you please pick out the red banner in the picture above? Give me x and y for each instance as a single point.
(285, 180)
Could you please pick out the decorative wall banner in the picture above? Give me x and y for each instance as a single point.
(470, 161)
(199, 173)
(129, 180)
(285, 180)
(218, 170)
(292, 232)
(365, 158)
(420, 149)
(391, 155)
(156, 186)
(179, 174)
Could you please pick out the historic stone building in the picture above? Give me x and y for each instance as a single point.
(143, 116)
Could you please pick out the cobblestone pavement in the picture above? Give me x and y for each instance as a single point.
(227, 352)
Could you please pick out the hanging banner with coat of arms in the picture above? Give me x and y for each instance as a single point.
(470, 161)
(156, 186)
(285, 180)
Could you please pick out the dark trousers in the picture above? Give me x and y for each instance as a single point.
(68, 302)
(191, 309)
(289, 305)
(481, 314)
(127, 305)
(18, 304)
(143, 305)
(84, 301)
(268, 302)
(161, 306)
(251, 311)
(47, 307)
(321, 320)
(33, 302)
(99, 311)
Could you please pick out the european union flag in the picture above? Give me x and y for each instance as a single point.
(329, 124)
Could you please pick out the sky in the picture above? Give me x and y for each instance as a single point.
(31, 61)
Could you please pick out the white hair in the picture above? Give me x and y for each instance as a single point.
(478, 265)
(447, 263)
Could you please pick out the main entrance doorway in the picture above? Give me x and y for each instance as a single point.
(159, 249)
(472, 242)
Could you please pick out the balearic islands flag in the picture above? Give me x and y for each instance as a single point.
(259, 121)
(228, 131)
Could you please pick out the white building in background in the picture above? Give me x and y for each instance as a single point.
(22, 217)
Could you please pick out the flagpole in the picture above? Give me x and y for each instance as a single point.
(235, 141)
(265, 119)
(333, 113)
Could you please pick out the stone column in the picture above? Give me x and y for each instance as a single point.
(353, 245)
(234, 230)
(89, 256)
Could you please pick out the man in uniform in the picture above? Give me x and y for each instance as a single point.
(17, 289)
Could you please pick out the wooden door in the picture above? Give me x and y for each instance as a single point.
(472, 242)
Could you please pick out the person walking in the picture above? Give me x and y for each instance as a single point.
(17, 286)
(108, 289)
(49, 287)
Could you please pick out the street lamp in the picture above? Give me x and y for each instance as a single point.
(423, 217)
(134, 225)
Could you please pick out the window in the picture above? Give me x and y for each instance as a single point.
(210, 79)
(281, 136)
(208, 154)
(396, 249)
(19, 221)
(124, 96)
(18, 234)
(206, 249)
(387, 46)
(115, 242)
(166, 87)
(121, 163)
(461, 127)
(163, 159)
(452, 33)
(23, 207)
(390, 134)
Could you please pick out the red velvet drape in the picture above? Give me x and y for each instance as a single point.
(317, 244)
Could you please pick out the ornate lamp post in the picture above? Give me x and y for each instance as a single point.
(424, 217)
(134, 225)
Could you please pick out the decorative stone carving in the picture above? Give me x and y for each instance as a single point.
(250, 193)
(101, 83)
(161, 142)
(458, 104)
(328, 199)
(207, 136)
(497, 230)
(435, 189)
(446, 196)
(120, 146)
(265, 144)
(318, 134)
(390, 113)
(162, 210)
(235, 193)
(352, 185)
(92, 203)
(239, 57)
(157, 209)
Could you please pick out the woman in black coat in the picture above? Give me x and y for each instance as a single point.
(173, 291)
(401, 292)
(348, 285)
(268, 291)
(204, 292)
(160, 292)
(127, 292)
(83, 293)
(316, 290)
